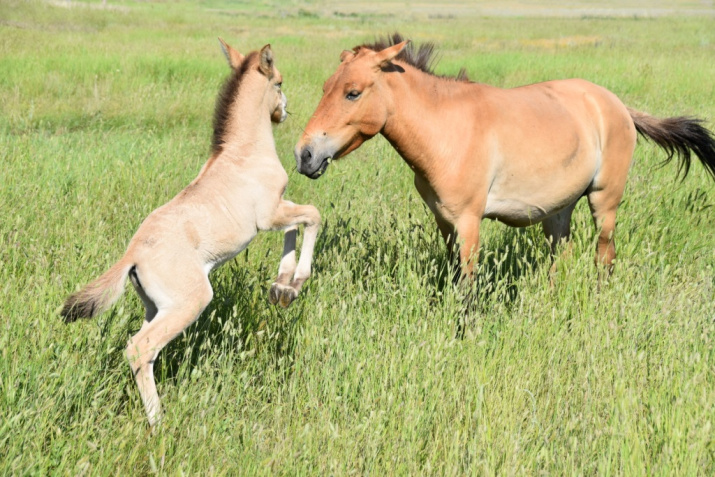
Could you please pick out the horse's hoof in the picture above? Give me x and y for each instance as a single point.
(282, 295)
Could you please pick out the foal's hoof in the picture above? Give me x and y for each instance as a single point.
(282, 295)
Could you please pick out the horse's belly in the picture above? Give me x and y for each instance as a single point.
(515, 212)
(524, 195)
(521, 210)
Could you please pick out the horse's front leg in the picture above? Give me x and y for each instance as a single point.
(288, 216)
(468, 236)
(446, 228)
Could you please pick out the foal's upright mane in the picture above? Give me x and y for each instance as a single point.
(422, 57)
(225, 99)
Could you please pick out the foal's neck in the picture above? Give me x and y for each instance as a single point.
(249, 131)
(247, 140)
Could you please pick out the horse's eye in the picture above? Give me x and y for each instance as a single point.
(353, 95)
(279, 85)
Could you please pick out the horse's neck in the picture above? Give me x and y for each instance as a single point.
(421, 124)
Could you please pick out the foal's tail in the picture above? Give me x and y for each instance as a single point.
(678, 136)
(98, 295)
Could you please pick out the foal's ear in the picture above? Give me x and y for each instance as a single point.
(234, 58)
(266, 64)
(382, 58)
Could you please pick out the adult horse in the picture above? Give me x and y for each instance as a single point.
(521, 156)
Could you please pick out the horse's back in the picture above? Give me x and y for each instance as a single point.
(581, 101)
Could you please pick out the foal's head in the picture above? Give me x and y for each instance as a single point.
(254, 74)
(352, 110)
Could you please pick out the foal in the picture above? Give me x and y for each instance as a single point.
(237, 193)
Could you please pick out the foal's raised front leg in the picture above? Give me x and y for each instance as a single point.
(288, 216)
(286, 269)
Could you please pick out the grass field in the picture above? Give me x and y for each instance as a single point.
(106, 114)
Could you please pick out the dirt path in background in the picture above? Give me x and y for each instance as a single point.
(608, 8)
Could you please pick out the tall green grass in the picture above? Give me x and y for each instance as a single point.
(106, 114)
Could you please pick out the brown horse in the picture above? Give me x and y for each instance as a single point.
(238, 192)
(521, 156)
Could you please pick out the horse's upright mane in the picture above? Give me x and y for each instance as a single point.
(225, 99)
(421, 57)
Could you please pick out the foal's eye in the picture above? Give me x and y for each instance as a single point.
(353, 95)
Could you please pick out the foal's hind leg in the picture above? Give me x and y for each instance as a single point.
(178, 304)
(149, 305)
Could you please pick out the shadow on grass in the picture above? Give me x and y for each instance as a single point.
(509, 256)
(239, 323)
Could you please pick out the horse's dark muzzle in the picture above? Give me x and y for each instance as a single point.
(308, 164)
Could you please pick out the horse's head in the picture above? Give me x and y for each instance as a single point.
(261, 62)
(354, 108)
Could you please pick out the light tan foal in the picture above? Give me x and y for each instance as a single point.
(238, 192)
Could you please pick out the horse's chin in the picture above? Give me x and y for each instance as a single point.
(318, 173)
(334, 156)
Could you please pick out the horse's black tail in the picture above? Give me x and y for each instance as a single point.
(678, 136)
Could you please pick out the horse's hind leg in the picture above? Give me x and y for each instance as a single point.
(604, 196)
(557, 230)
(176, 310)
(604, 204)
(449, 234)
(606, 190)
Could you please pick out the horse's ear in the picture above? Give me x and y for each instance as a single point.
(346, 54)
(266, 64)
(382, 58)
(234, 58)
